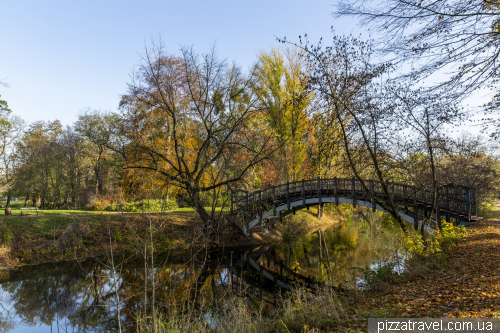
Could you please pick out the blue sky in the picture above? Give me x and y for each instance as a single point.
(60, 57)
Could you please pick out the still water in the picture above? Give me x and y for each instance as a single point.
(86, 296)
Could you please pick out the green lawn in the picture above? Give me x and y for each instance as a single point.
(16, 205)
(491, 211)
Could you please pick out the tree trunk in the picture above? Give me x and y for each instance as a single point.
(98, 189)
(26, 200)
(7, 205)
(200, 209)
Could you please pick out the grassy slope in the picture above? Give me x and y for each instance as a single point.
(32, 239)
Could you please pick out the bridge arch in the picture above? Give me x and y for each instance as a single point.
(266, 207)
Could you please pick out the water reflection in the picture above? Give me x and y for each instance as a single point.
(83, 297)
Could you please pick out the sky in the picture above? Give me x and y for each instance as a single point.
(61, 57)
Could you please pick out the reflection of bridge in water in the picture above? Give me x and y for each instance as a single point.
(265, 207)
(261, 274)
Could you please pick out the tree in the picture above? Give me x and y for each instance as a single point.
(282, 92)
(10, 131)
(371, 115)
(465, 160)
(40, 172)
(459, 35)
(4, 112)
(97, 127)
(194, 121)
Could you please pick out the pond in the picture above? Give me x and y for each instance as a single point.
(86, 296)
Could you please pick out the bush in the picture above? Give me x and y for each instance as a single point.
(436, 242)
(381, 274)
(6, 236)
(100, 204)
(144, 206)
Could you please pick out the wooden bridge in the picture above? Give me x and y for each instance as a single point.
(264, 208)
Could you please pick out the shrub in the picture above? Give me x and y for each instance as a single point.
(436, 242)
(6, 235)
(145, 206)
(383, 273)
(99, 204)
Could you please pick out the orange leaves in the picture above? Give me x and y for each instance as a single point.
(465, 284)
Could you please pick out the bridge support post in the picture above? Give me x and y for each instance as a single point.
(336, 191)
(438, 212)
(468, 203)
(447, 205)
(475, 202)
(415, 219)
(274, 200)
(260, 207)
(320, 206)
(405, 195)
(248, 204)
(304, 193)
(415, 209)
(288, 195)
(372, 194)
(354, 193)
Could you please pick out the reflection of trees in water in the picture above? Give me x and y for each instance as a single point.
(45, 299)
(39, 300)
(6, 323)
(88, 300)
(365, 238)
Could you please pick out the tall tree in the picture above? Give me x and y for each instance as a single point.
(97, 127)
(457, 38)
(343, 79)
(186, 116)
(459, 35)
(10, 131)
(282, 92)
(4, 111)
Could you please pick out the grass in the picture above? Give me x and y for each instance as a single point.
(490, 211)
(16, 211)
(37, 239)
(299, 311)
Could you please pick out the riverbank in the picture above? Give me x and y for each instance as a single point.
(32, 239)
(42, 239)
(464, 283)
